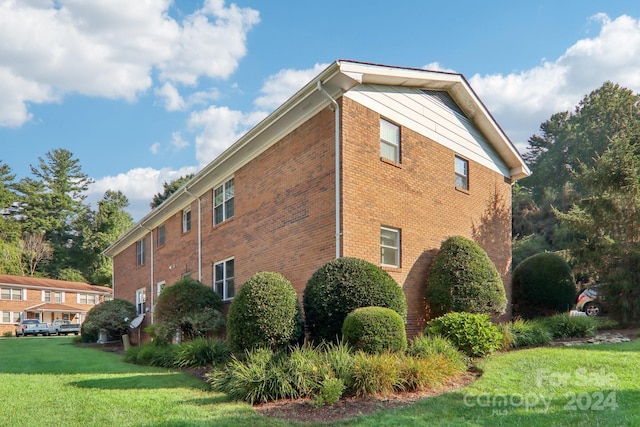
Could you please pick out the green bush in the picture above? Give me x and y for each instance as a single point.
(331, 390)
(152, 354)
(565, 326)
(473, 334)
(264, 312)
(201, 352)
(339, 359)
(542, 285)
(463, 278)
(374, 330)
(418, 372)
(527, 333)
(376, 373)
(113, 316)
(342, 285)
(190, 307)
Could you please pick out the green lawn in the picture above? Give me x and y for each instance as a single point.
(52, 381)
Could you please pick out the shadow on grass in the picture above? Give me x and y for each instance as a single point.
(142, 382)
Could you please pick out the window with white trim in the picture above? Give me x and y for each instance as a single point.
(186, 220)
(160, 287)
(87, 299)
(162, 235)
(223, 202)
(141, 301)
(10, 317)
(223, 274)
(140, 248)
(462, 173)
(52, 296)
(389, 141)
(11, 294)
(390, 246)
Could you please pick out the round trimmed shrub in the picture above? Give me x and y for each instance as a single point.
(264, 313)
(190, 307)
(113, 316)
(463, 278)
(542, 285)
(342, 285)
(375, 330)
(473, 334)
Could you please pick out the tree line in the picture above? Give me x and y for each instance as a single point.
(583, 197)
(48, 230)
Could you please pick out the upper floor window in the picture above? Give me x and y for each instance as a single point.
(87, 299)
(223, 274)
(389, 141)
(186, 220)
(462, 173)
(141, 301)
(223, 206)
(12, 294)
(161, 235)
(390, 246)
(49, 296)
(140, 247)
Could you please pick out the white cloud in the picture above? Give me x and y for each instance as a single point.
(436, 66)
(281, 86)
(139, 185)
(219, 128)
(522, 101)
(109, 48)
(177, 142)
(154, 148)
(170, 98)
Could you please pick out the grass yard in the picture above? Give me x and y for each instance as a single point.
(52, 381)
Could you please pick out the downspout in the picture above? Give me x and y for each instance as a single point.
(199, 232)
(337, 166)
(151, 275)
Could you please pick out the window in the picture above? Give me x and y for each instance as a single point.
(186, 220)
(462, 173)
(389, 141)
(9, 317)
(12, 294)
(141, 301)
(48, 296)
(87, 299)
(223, 273)
(223, 206)
(160, 287)
(390, 246)
(161, 235)
(140, 244)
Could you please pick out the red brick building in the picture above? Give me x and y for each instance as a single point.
(369, 161)
(23, 297)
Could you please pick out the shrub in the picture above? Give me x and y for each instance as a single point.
(463, 278)
(152, 354)
(428, 346)
(7, 334)
(264, 312)
(473, 334)
(375, 330)
(339, 359)
(418, 373)
(542, 285)
(565, 326)
(376, 373)
(342, 285)
(528, 333)
(190, 307)
(508, 339)
(201, 352)
(330, 392)
(113, 316)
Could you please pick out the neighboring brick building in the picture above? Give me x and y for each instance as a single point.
(415, 157)
(25, 297)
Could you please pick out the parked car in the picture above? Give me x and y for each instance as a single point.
(31, 327)
(64, 327)
(590, 301)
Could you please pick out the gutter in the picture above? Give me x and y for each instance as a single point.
(337, 167)
(199, 232)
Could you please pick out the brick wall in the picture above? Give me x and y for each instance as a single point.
(418, 197)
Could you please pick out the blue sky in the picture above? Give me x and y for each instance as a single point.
(143, 92)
